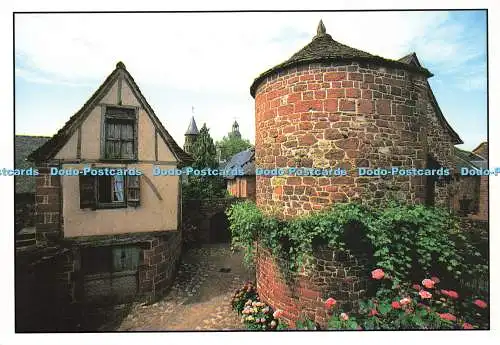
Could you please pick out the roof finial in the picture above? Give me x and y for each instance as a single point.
(321, 28)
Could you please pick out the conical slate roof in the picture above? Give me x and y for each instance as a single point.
(192, 129)
(323, 48)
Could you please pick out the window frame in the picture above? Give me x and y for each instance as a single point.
(112, 204)
(132, 117)
(96, 204)
(105, 264)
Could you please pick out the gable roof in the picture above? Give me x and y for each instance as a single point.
(482, 150)
(23, 146)
(323, 48)
(244, 160)
(51, 147)
(470, 160)
(412, 59)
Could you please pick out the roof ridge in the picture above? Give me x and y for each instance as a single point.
(56, 142)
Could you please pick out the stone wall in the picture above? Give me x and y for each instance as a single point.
(331, 274)
(197, 215)
(341, 115)
(48, 206)
(160, 261)
(483, 198)
(44, 290)
(25, 210)
(242, 187)
(466, 188)
(50, 281)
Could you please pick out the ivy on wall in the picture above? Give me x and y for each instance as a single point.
(407, 241)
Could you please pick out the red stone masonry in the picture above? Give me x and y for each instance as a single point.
(48, 206)
(160, 259)
(483, 198)
(344, 115)
(338, 275)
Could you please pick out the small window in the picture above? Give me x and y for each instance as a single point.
(120, 134)
(133, 190)
(110, 259)
(109, 191)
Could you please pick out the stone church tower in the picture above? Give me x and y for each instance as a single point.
(235, 132)
(190, 135)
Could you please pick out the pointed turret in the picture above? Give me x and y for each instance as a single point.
(191, 135)
(192, 128)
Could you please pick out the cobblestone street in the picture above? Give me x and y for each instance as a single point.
(200, 296)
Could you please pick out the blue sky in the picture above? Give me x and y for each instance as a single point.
(210, 60)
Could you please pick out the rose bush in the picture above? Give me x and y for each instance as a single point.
(407, 241)
(411, 306)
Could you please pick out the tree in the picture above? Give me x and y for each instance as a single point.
(231, 145)
(204, 152)
(205, 156)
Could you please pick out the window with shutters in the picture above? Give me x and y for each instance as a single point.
(109, 191)
(120, 134)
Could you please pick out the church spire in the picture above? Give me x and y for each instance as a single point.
(191, 135)
(192, 128)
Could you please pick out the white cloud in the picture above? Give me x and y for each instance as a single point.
(220, 54)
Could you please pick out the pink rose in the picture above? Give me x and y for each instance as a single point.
(467, 326)
(395, 305)
(450, 293)
(344, 317)
(405, 301)
(480, 303)
(448, 316)
(378, 274)
(425, 294)
(428, 283)
(330, 302)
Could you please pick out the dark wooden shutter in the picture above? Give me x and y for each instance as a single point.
(87, 192)
(133, 190)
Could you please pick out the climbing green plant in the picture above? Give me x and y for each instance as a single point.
(407, 240)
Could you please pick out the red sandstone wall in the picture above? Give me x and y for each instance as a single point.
(483, 198)
(159, 265)
(336, 275)
(347, 116)
(48, 206)
(242, 187)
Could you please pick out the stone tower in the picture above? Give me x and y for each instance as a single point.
(235, 131)
(190, 135)
(333, 106)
